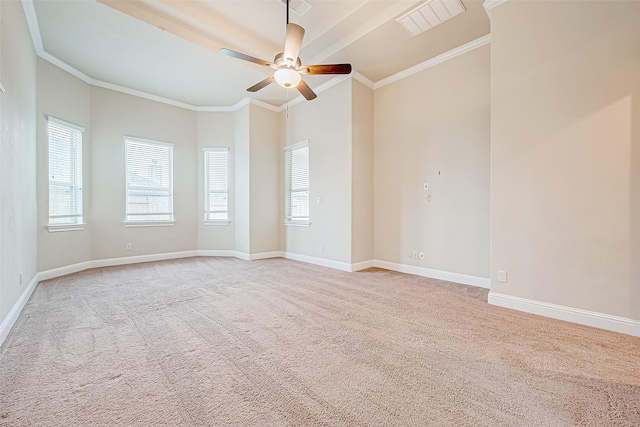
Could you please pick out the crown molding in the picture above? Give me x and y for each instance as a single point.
(265, 105)
(34, 29)
(36, 37)
(66, 67)
(378, 20)
(490, 4)
(362, 79)
(242, 103)
(32, 23)
(99, 83)
(484, 40)
(219, 109)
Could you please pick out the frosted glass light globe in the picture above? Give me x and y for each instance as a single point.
(287, 78)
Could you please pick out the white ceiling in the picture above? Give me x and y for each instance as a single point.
(169, 48)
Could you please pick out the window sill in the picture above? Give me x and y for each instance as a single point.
(289, 223)
(129, 224)
(56, 228)
(217, 222)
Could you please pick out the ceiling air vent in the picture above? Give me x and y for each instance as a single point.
(429, 15)
(298, 6)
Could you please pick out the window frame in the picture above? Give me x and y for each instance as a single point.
(208, 191)
(76, 177)
(149, 222)
(289, 220)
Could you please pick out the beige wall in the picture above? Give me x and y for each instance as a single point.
(242, 180)
(264, 165)
(68, 98)
(327, 123)
(362, 174)
(435, 120)
(549, 113)
(18, 203)
(113, 116)
(216, 130)
(565, 153)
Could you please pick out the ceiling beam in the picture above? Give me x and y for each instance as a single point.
(194, 22)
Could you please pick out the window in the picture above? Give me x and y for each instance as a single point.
(216, 183)
(149, 180)
(65, 174)
(297, 183)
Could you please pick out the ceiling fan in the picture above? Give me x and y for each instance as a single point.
(287, 65)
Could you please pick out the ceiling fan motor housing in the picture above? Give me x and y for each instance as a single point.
(281, 62)
(287, 65)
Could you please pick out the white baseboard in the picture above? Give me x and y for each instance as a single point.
(337, 265)
(464, 279)
(361, 265)
(8, 322)
(13, 315)
(319, 261)
(266, 255)
(220, 253)
(575, 315)
(63, 271)
(243, 256)
(569, 314)
(110, 262)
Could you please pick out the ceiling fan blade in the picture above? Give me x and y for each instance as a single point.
(306, 91)
(244, 57)
(266, 82)
(292, 44)
(326, 69)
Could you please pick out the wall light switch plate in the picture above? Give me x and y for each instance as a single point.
(502, 276)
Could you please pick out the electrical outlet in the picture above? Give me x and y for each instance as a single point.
(321, 248)
(414, 254)
(128, 246)
(421, 255)
(502, 276)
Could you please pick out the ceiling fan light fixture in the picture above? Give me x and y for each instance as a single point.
(287, 64)
(287, 78)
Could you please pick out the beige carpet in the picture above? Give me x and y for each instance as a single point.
(224, 342)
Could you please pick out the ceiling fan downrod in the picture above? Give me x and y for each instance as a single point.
(287, 65)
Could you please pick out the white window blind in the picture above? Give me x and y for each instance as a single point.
(65, 172)
(149, 180)
(297, 182)
(216, 184)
